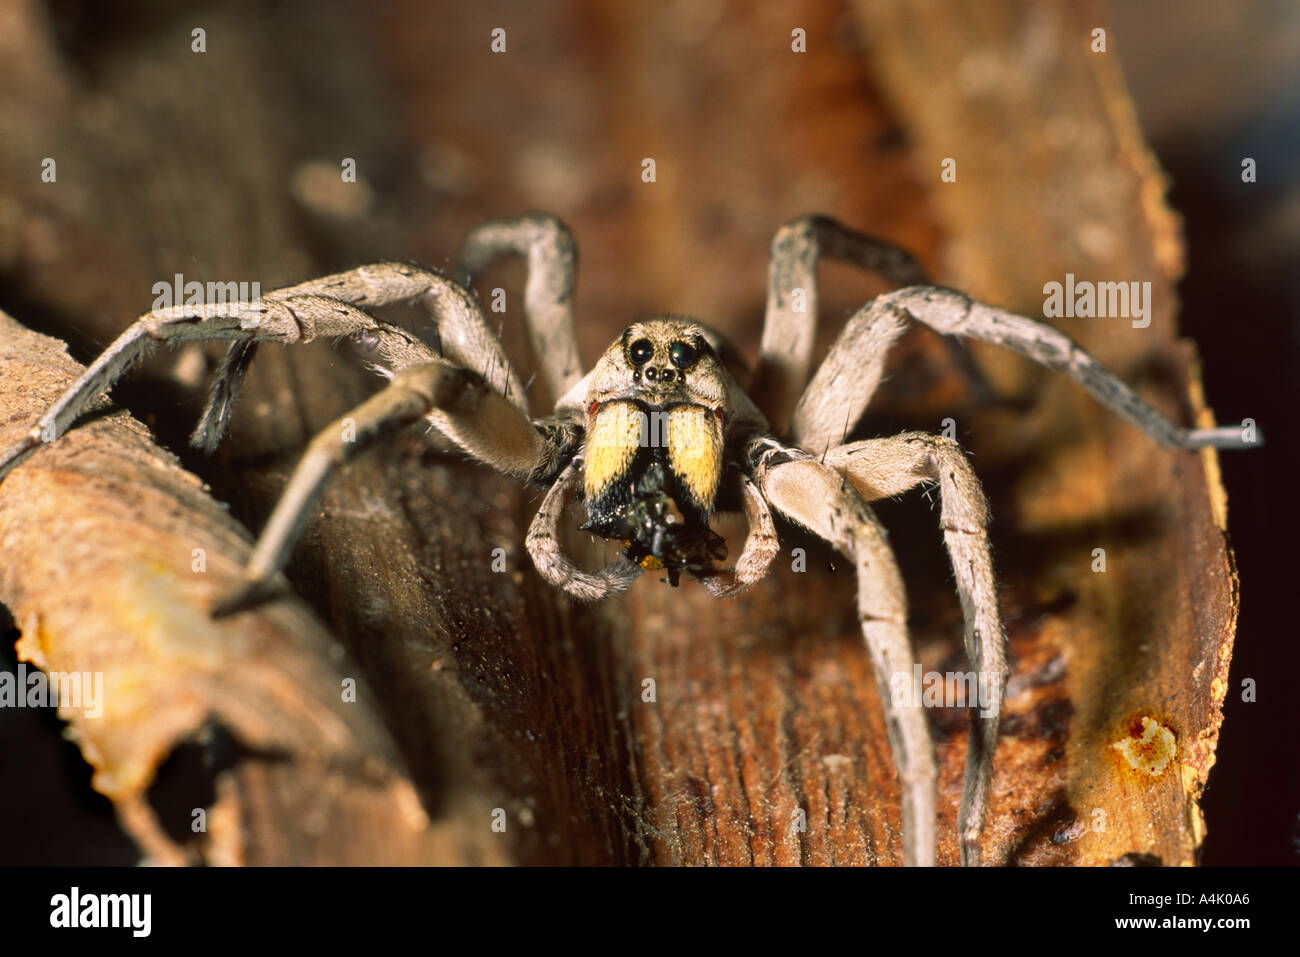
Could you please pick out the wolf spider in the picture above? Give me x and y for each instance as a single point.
(659, 436)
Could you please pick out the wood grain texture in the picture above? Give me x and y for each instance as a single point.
(1054, 178)
(497, 692)
(114, 555)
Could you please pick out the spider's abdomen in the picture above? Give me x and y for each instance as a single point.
(651, 475)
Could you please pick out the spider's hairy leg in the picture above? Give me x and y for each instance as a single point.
(295, 319)
(882, 468)
(459, 402)
(464, 335)
(950, 312)
(553, 565)
(222, 390)
(848, 377)
(548, 293)
(761, 546)
(790, 322)
(819, 499)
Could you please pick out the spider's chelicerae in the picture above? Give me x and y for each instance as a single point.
(660, 436)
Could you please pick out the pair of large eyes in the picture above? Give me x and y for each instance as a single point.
(681, 354)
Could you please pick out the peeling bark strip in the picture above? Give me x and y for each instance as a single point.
(101, 538)
(1149, 640)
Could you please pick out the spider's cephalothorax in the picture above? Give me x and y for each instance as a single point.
(653, 459)
(659, 437)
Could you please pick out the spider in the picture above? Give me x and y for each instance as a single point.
(659, 437)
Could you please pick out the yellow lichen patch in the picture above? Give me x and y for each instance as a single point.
(695, 450)
(1148, 747)
(1218, 688)
(612, 441)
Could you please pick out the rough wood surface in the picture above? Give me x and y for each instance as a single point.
(114, 555)
(1054, 178)
(497, 692)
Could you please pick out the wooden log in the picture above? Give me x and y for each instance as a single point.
(113, 557)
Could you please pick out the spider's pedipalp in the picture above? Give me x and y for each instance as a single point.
(818, 498)
(553, 565)
(882, 468)
(761, 546)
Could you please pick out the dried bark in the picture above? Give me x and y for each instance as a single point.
(1054, 179)
(114, 554)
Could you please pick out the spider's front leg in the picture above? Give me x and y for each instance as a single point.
(819, 499)
(463, 334)
(458, 402)
(846, 380)
(543, 544)
(322, 308)
(291, 319)
(952, 313)
(883, 468)
(761, 546)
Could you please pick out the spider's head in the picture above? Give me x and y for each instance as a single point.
(661, 361)
(656, 407)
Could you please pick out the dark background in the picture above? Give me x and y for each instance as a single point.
(1213, 84)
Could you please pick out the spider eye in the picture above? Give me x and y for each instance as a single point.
(683, 355)
(639, 352)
